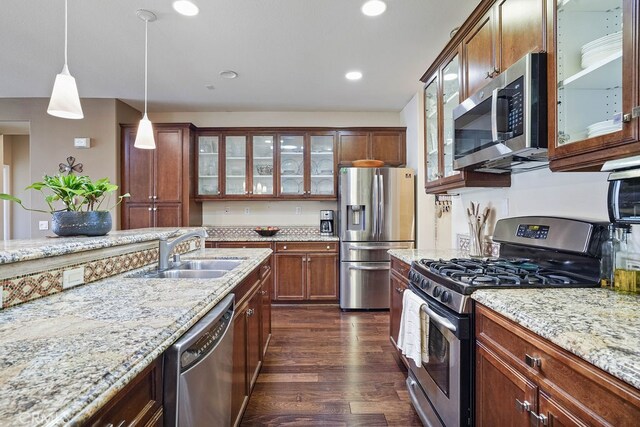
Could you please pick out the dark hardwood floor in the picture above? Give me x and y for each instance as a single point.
(326, 367)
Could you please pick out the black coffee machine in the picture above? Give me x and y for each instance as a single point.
(326, 223)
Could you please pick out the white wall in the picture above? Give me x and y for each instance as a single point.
(263, 213)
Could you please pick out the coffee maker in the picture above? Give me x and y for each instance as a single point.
(326, 223)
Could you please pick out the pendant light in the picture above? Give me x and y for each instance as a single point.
(65, 101)
(144, 136)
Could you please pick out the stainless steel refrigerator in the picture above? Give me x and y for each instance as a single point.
(376, 213)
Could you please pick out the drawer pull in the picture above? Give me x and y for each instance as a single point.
(538, 419)
(534, 362)
(250, 312)
(284, 247)
(523, 406)
(399, 290)
(328, 247)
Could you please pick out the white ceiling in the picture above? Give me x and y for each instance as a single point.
(291, 55)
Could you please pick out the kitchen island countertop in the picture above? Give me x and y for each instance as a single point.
(597, 325)
(63, 357)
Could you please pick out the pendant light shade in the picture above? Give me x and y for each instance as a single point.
(144, 136)
(65, 101)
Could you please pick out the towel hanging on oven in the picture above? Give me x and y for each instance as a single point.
(413, 336)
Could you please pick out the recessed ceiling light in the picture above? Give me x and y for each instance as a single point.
(374, 8)
(185, 7)
(353, 75)
(450, 76)
(228, 74)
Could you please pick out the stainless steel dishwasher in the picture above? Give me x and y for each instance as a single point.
(198, 371)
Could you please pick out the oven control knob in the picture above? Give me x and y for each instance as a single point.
(412, 276)
(436, 291)
(424, 283)
(445, 297)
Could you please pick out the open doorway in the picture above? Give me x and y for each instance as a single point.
(16, 176)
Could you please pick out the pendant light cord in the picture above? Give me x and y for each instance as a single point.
(65, 31)
(146, 43)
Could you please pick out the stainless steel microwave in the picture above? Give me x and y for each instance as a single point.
(624, 190)
(503, 126)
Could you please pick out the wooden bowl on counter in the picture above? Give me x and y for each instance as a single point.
(266, 231)
(367, 163)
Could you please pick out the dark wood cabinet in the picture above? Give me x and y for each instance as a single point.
(479, 55)
(266, 286)
(254, 336)
(159, 180)
(398, 284)
(239, 389)
(388, 145)
(138, 403)
(520, 29)
(522, 377)
(306, 271)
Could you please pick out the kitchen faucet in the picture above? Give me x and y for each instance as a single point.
(166, 247)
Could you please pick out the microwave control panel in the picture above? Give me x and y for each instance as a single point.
(515, 115)
(533, 231)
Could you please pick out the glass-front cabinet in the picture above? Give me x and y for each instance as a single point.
(266, 165)
(235, 165)
(208, 165)
(322, 156)
(450, 100)
(596, 78)
(292, 167)
(263, 164)
(432, 143)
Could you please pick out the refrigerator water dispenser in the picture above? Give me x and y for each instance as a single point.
(355, 217)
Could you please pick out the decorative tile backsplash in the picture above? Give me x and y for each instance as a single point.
(20, 289)
(238, 232)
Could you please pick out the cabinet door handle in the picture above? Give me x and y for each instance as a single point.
(150, 197)
(534, 362)
(523, 406)
(218, 192)
(155, 197)
(538, 419)
(155, 209)
(399, 290)
(495, 72)
(488, 75)
(265, 292)
(250, 312)
(150, 209)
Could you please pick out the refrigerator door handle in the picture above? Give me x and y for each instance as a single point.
(376, 203)
(370, 268)
(380, 206)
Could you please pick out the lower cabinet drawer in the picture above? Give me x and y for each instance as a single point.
(139, 403)
(244, 245)
(595, 395)
(306, 247)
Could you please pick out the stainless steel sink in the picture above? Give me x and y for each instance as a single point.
(186, 274)
(209, 264)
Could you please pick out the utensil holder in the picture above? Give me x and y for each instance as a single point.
(476, 240)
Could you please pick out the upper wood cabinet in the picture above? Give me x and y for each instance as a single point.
(388, 145)
(159, 180)
(593, 81)
(505, 33)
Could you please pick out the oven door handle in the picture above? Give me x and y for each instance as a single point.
(437, 318)
(494, 115)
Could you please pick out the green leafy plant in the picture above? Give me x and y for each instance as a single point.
(77, 193)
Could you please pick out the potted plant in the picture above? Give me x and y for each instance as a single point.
(82, 199)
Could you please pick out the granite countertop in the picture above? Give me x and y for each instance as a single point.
(28, 249)
(63, 357)
(597, 325)
(286, 234)
(410, 255)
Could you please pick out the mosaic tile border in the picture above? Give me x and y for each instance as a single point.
(236, 232)
(20, 289)
(490, 248)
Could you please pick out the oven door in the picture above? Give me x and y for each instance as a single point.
(446, 375)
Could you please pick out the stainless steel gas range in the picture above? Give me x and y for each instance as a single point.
(535, 252)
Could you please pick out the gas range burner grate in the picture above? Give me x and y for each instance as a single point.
(496, 272)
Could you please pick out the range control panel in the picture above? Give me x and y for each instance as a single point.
(533, 231)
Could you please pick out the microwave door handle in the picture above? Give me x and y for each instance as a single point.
(494, 115)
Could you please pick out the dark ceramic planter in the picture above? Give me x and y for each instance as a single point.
(70, 223)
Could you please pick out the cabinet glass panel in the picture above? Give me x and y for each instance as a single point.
(236, 160)
(292, 164)
(450, 100)
(589, 69)
(431, 124)
(208, 155)
(322, 164)
(263, 155)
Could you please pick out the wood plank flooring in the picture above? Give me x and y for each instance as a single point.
(325, 367)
